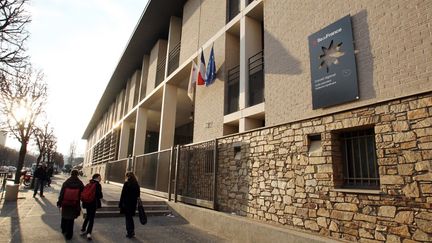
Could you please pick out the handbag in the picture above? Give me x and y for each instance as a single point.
(141, 213)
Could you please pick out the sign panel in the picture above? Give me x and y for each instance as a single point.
(333, 65)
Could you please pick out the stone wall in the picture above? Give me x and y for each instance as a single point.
(275, 179)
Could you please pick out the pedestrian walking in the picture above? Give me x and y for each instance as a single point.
(50, 172)
(91, 201)
(128, 202)
(40, 176)
(69, 202)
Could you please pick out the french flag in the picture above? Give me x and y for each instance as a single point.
(202, 70)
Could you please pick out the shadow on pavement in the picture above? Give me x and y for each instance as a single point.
(10, 210)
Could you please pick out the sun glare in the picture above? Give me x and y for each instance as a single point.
(21, 113)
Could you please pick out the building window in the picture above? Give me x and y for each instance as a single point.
(360, 168)
(233, 9)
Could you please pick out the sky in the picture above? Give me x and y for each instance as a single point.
(77, 44)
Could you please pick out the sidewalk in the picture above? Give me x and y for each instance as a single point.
(38, 220)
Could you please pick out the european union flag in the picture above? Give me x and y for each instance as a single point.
(211, 69)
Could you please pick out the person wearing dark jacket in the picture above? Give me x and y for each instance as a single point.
(91, 207)
(128, 202)
(69, 202)
(40, 175)
(49, 174)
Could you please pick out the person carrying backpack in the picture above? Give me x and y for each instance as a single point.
(69, 202)
(90, 197)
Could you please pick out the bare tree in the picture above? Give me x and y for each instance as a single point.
(58, 159)
(51, 150)
(72, 149)
(13, 35)
(43, 136)
(22, 99)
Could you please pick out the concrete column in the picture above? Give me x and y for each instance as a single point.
(243, 4)
(168, 117)
(250, 44)
(144, 77)
(124, 140)
(140, 131)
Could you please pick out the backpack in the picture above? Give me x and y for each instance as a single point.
(71, 197)
(88, 195)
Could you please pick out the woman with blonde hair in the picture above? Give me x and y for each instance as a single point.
(128, 202)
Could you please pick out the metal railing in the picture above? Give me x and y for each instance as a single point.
(160, 71)
(256, 79)
(174, 58)
(360, 166)
(116, 170)
(233, 90)
(196, 174)
(153, 171)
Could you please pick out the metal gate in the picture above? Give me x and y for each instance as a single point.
(195, 178)
(187, 173)
(116, 170)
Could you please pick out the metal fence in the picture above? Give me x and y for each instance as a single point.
(153, 171)
(196, 174)
(116, 170)
(186, 172)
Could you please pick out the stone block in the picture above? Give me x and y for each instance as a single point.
(412, 156)
(404, 217)
(322, 221)
(400, 230)
(424, 225)
(404, 137)
(416, 114)
(423, 166)
(391, 180)
(323, 212)
(342, 215)
(400, 126)
(424, 177)
(411, 190)
(426, 188)
(421, 236)
(297, 222)
(334, 226)
(364, 217)
(346, 207)
(365, 234)
(326, 168)
(387, 211)
(310, 224)
(393, 239)
(405, 169)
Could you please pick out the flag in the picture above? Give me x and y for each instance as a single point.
(192, 80)
(202, 70)
(211, 69)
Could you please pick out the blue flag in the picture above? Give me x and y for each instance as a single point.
(211, 69)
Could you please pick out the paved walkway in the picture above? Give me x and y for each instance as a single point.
(38, 220)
